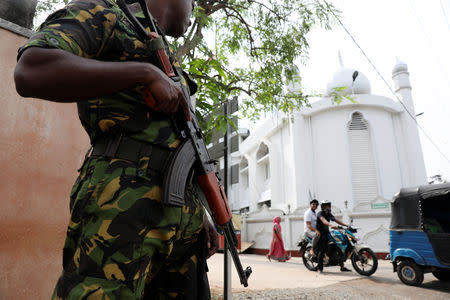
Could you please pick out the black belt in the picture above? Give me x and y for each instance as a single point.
(123, 147)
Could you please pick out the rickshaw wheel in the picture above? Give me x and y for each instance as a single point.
(442, 275)
(410, 273)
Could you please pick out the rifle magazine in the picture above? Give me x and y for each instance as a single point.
(177, 173)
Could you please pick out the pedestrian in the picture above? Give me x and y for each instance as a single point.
(122, 242)
(277, 250)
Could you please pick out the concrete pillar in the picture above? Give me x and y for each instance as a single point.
(288, 236)
(20, 12)
(244, 230)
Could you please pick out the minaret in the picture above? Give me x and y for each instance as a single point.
(414, 154)
(402, 86)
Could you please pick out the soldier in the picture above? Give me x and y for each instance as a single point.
(122, 242)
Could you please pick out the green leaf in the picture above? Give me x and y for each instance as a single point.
(246, 48)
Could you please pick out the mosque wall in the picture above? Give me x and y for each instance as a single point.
(373, 228)
(332, 175)
(385, 151)
(321, 167)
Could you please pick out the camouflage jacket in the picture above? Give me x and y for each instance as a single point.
(98, 29)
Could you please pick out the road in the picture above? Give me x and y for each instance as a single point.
(291, 280)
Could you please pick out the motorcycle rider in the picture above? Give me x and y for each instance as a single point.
(323, 222)
(310, 220)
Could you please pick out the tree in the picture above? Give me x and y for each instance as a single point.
(44, 7)
(246, 48)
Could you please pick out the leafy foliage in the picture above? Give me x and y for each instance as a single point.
(338, 95)
(251, 53)
(46, 6)
(246, 48)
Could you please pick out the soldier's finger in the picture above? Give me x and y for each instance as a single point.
(214, 242)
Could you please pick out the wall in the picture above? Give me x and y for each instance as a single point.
(373, 228)
(332, 169)
(42, 144)
(321, 165)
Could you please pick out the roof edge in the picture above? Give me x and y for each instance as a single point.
(10, 26)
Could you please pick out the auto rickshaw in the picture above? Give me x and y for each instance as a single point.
(420, 233)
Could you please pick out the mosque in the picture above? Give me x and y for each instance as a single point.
(357, 154)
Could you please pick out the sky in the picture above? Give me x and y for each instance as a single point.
(416, 32)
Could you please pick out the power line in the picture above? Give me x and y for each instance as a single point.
(384, 80)
(445, 15)
(437, 56)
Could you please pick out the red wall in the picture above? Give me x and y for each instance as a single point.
(42, 144)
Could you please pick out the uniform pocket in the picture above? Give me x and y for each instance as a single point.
(111, 180)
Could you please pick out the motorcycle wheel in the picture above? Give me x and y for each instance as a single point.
(309, 264)
(365, 262)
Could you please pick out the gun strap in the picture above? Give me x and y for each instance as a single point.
(123, 147)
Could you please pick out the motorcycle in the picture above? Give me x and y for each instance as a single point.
(342, 244)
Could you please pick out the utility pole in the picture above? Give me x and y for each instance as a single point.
(227, 293)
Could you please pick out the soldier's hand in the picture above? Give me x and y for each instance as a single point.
(212, 237)
(167, 95)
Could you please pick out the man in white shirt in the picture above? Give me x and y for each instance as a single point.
(310, 220)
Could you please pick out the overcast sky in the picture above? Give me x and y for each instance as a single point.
(417, 32)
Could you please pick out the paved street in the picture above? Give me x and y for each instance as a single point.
(291, 280)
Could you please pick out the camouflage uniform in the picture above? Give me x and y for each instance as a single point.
(122, 242)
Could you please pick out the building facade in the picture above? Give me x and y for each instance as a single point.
(357, 154)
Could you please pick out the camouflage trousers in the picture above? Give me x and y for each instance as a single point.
(122, 242)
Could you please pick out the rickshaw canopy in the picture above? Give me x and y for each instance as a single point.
(407, 205)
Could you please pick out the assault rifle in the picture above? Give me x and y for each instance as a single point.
(192, 153)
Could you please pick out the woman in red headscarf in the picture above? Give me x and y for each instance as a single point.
(277, 251)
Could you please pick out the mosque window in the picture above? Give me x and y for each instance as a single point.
(267, 203)
(262, 159)
(263, 151)
(364, 174)
(243, 166)
(244, 210)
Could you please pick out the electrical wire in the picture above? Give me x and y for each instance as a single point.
(445, 15)
(430, 43)
(387, 84)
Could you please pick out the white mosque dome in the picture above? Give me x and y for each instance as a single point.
(353, 80)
